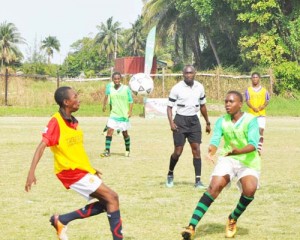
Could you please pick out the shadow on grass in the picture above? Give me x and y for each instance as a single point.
(213, 228)
(181, 183)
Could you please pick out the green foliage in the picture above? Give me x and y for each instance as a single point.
(135, 40)
(288, 77)
(50, 44)
(293, 39)
(84, 58)
(9, 40)
(109, 38)
(263, 48)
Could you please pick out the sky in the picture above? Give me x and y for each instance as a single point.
(67, 20)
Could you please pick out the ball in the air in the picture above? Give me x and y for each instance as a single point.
(141, 84)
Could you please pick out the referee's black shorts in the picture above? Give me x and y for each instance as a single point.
(188, 127)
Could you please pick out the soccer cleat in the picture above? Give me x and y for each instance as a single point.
(230, 228)
(106, 153)
(61, 229)
(188, 233)
(200, 185)
(170, 182)
(127, 153)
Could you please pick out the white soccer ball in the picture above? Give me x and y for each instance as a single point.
(141, 84)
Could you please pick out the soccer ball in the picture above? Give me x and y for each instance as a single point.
(141, 84)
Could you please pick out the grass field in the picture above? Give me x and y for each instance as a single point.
(149, 210)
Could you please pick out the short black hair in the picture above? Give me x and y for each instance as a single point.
(61, 94)
(189, 66)
(255, 73)
(116, 73)
(240, 96)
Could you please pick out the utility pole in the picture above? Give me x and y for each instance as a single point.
(116, 44)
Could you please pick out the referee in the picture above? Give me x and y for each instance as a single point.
(189, 97)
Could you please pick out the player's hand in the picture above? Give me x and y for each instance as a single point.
(30, 181)
(208, 129)
(256, 109)
(234, 150)
(211, 154)
(129, 114)
(210, 158)
(174, 127)
(98, 173)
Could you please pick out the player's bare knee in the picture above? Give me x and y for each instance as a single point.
(114, 197)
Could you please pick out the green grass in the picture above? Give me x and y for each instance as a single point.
(27, 97)
(90, 110)
(278, 107)
(149, 210)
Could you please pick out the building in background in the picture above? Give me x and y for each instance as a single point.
(133, 65)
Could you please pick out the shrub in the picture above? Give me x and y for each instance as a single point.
(287, 77)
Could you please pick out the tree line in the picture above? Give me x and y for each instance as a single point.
(240, 36)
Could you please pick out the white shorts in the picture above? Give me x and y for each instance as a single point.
(261, 121)
(235, 169)
(87, 185)
(117, 125)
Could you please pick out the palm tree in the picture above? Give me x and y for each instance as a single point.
(9, 38)
(172, 23)
(136, 39)
(180, 21)
(50, 44)
(108, 37)
(9, 52)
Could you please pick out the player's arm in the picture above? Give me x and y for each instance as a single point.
(236, 151)
(130, 101)
(107, 93)
(247, 96)
(215, 140)
(171, 103)
(104, 103)
(252, 139)
(267, 99)
(31, 179)
(130, 110)
(170, 118)
(203, 111)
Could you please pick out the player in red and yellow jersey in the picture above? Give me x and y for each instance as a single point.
(257, 99)
(72, 167)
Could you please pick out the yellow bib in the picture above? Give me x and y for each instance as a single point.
(257, 99)
(69, 153)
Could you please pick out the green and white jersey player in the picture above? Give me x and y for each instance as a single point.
(238, 159)
(121, 103)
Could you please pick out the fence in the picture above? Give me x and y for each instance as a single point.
(38, 90)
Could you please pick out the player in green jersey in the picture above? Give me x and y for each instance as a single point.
(238, 159)
(121, 104)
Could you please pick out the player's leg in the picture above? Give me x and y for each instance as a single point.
(105, 129)
(108, 140)
(197, 165)
(85, 187)
(248, 185)
(112, 205)
(89, 210)
(262, 124)
(127, 142)
(179, 140)
(215, 187)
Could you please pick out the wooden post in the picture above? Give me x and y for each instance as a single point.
(6, 85)
(218, 83)
(163, 82)
(271, 80)
(57, 79)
